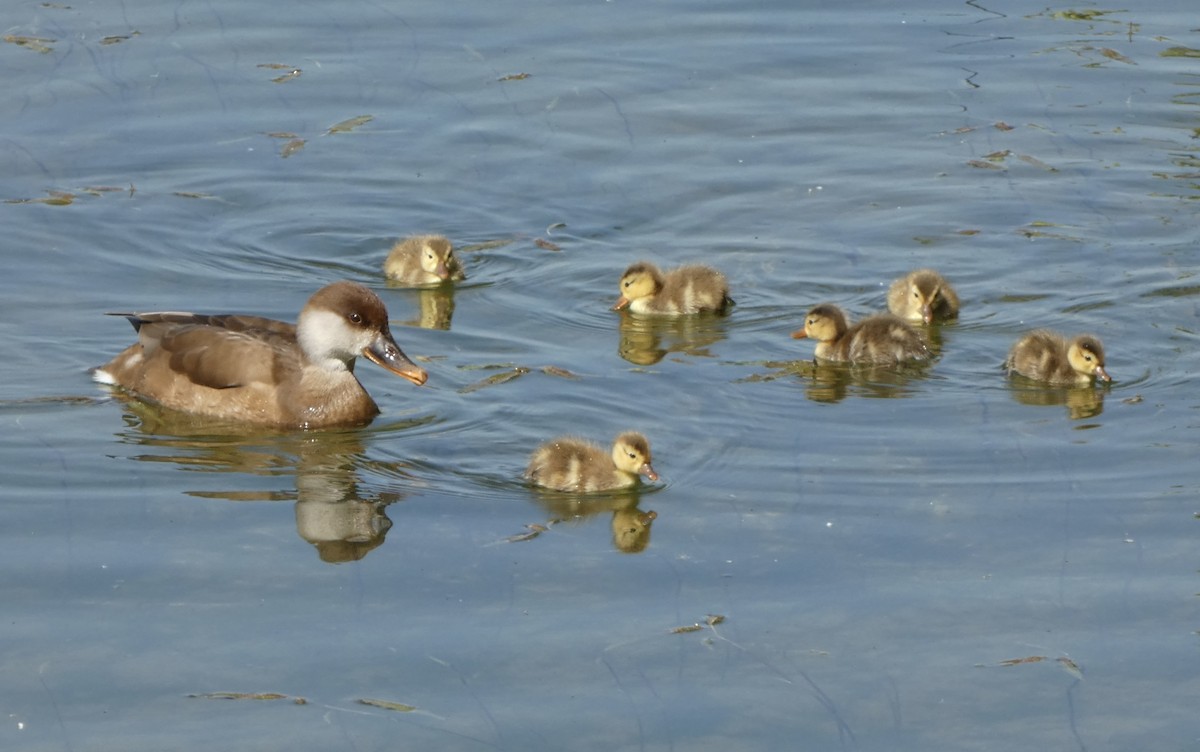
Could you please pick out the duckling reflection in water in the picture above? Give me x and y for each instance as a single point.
(578, 466)
(680, 292)
(882, 339)
(923, 296)
(423, 260)
(1049, 357)
(646, 340)
(631, 529)
(1080, 401)
(436, 306)
(630, 525)
(834, 382)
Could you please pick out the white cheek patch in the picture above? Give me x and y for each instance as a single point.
(326, 337)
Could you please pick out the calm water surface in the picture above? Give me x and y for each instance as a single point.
(936, 559)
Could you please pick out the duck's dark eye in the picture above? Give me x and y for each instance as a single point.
(627, 282)
(355, 318)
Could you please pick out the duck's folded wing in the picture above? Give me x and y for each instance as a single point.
(220, 352)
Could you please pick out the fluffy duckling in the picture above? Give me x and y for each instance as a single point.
(882, 339)
(260, 371)
(922, 295)
(1047, 356)
(578, 466)
(686, 290)
(423, 260)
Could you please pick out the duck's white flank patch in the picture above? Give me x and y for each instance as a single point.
(102, 376)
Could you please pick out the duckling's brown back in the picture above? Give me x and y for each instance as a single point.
(694, 289)
(574, 465)
(883, 339)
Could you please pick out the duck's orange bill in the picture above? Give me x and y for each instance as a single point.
(621, 303)
(386, 353)
(799, 334)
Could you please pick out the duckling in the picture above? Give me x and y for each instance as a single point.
(923, 295)
(1043, 355)
(579, 466)
(689, 289)
(423, 260)
(882, 339)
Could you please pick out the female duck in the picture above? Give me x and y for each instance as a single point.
(423, 260)
(260, 371)
(923, 295)
(882, 339)
(578, 466)
(1047, 356)
(679, 292)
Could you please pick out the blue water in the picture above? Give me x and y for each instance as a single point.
(936, 559)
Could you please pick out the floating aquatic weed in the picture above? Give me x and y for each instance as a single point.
(118, 38)
(291, 147)
(546, 244)
(486, 246)
(37, 44)
(1112, 54)
(1082, 15)
(348, 125)
(399, 707)
(1036, 162)
(494, 379)
(710, 620)
(243, 696)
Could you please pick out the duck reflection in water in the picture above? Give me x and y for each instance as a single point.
(647, 340)
(331, 512)
(630, 525)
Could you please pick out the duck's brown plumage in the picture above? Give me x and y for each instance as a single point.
(689, 289)
(579, 466)
(923, 295)
(882, 339)
(423, 260)
(1043, 355)
(260, 371)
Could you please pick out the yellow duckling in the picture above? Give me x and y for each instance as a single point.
(923, 295)
(423, 260)
(1047, 356)
(686, 290)
(882, 339)
(578, 466)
